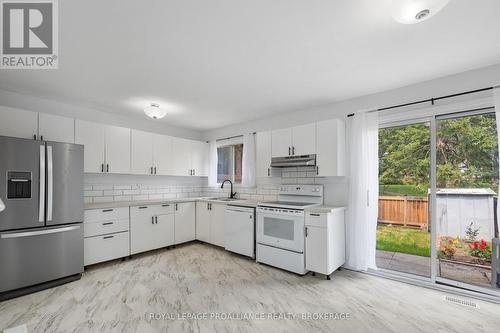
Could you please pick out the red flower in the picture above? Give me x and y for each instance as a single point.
(484, 245)
(476, 245)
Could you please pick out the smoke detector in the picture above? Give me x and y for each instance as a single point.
(416, 11)
(154, 111)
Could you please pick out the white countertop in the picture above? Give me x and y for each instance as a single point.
(117, 204)
(324, 209)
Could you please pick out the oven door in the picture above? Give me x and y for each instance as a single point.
(282, 228)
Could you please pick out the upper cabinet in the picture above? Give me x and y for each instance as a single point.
(151, 153)
(18, 123)
(189, 157)
(33, 125)
(299, 140)
(199, 158)
(91, 135)
(107, 148)
(117, 149)
(330, 148)
(141, 150)
(162, 154)
(56, 128)
(263, 154)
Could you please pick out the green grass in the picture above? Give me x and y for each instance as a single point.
(410, 190)
(403, 240)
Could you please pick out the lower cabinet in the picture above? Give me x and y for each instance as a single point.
(325, 241)
(106, 233)
(185, 222)
(210, 222)
(151, 227)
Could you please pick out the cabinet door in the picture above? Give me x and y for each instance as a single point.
(217, 224)
(142, 229)
(18, 123)
(117, 149)
(263, 154)
(185, 222)
(164, 230)
(304, 139)
(162, 154)
(141, 156)
(199, 158)
(281, 142)
(316, 249)
(56, 128)
(202, 221)
(330, 149)
(181, 161)
(91, 135)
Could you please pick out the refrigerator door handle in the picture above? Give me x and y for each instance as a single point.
(41, 202)
(37, 233)
(50, 183)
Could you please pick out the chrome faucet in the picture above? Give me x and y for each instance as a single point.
(233, 194)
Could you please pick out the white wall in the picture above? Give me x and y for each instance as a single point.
(32, 103)
(471, 80)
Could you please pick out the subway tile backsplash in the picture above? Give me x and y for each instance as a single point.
(109, 188)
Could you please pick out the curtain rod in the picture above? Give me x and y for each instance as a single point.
(233, 137)
(432, 100)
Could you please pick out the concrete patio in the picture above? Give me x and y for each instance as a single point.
(403, 262)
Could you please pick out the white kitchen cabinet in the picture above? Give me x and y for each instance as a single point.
(165, 229)
(56, 128)
(141, 152)
(263, 154)
(217, 224)
(325, 241)
(106, 234)
(181, 153)
(92, 136)
(330, 148)
(162, 154)
(199, 158)
(185, 222)
(304, 139)
(203, 221)
(18, 123)
(281, 142)
(117, 149)
(151, 227)
(210, 222)
(298, 140)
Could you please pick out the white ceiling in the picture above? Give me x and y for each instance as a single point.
(220, 62)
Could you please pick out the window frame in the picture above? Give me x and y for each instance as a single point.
(230, 143)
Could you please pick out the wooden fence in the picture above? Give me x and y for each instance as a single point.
(404, 210)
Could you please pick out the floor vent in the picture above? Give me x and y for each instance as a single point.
(463, 302)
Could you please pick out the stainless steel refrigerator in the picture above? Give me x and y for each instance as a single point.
(41, 228)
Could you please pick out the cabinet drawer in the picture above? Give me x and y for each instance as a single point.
(105, 227)
(108, 247)
(317, 219)
(167, 208)
(108, 214)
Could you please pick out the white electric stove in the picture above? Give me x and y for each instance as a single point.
(281, 224)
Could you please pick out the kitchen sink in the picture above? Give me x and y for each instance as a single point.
(227, 199)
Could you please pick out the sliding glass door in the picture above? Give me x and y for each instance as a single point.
(437, 199)
(403, 234)
(465, 199)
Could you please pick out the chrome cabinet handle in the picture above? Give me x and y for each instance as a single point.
(107, 167)
(152, 220)
(155, 170)
(107, 210)
(156, 219)
(317, 170)
(289, 151)
(107, 223)
(143, 207)
(151, 170)
(306, 231)
(268, 172)
(108, 237)
(102, 167)
(314, 214)
(293, 150)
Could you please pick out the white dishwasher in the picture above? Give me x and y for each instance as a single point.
(240, 230)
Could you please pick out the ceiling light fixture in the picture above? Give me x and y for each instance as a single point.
(415, 11)
(154, 111)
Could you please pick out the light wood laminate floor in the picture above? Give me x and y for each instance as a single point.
(201, 279)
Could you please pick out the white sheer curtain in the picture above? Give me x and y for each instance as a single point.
(212, 164)
(362, 212)
(496, 93)
(248, 161)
